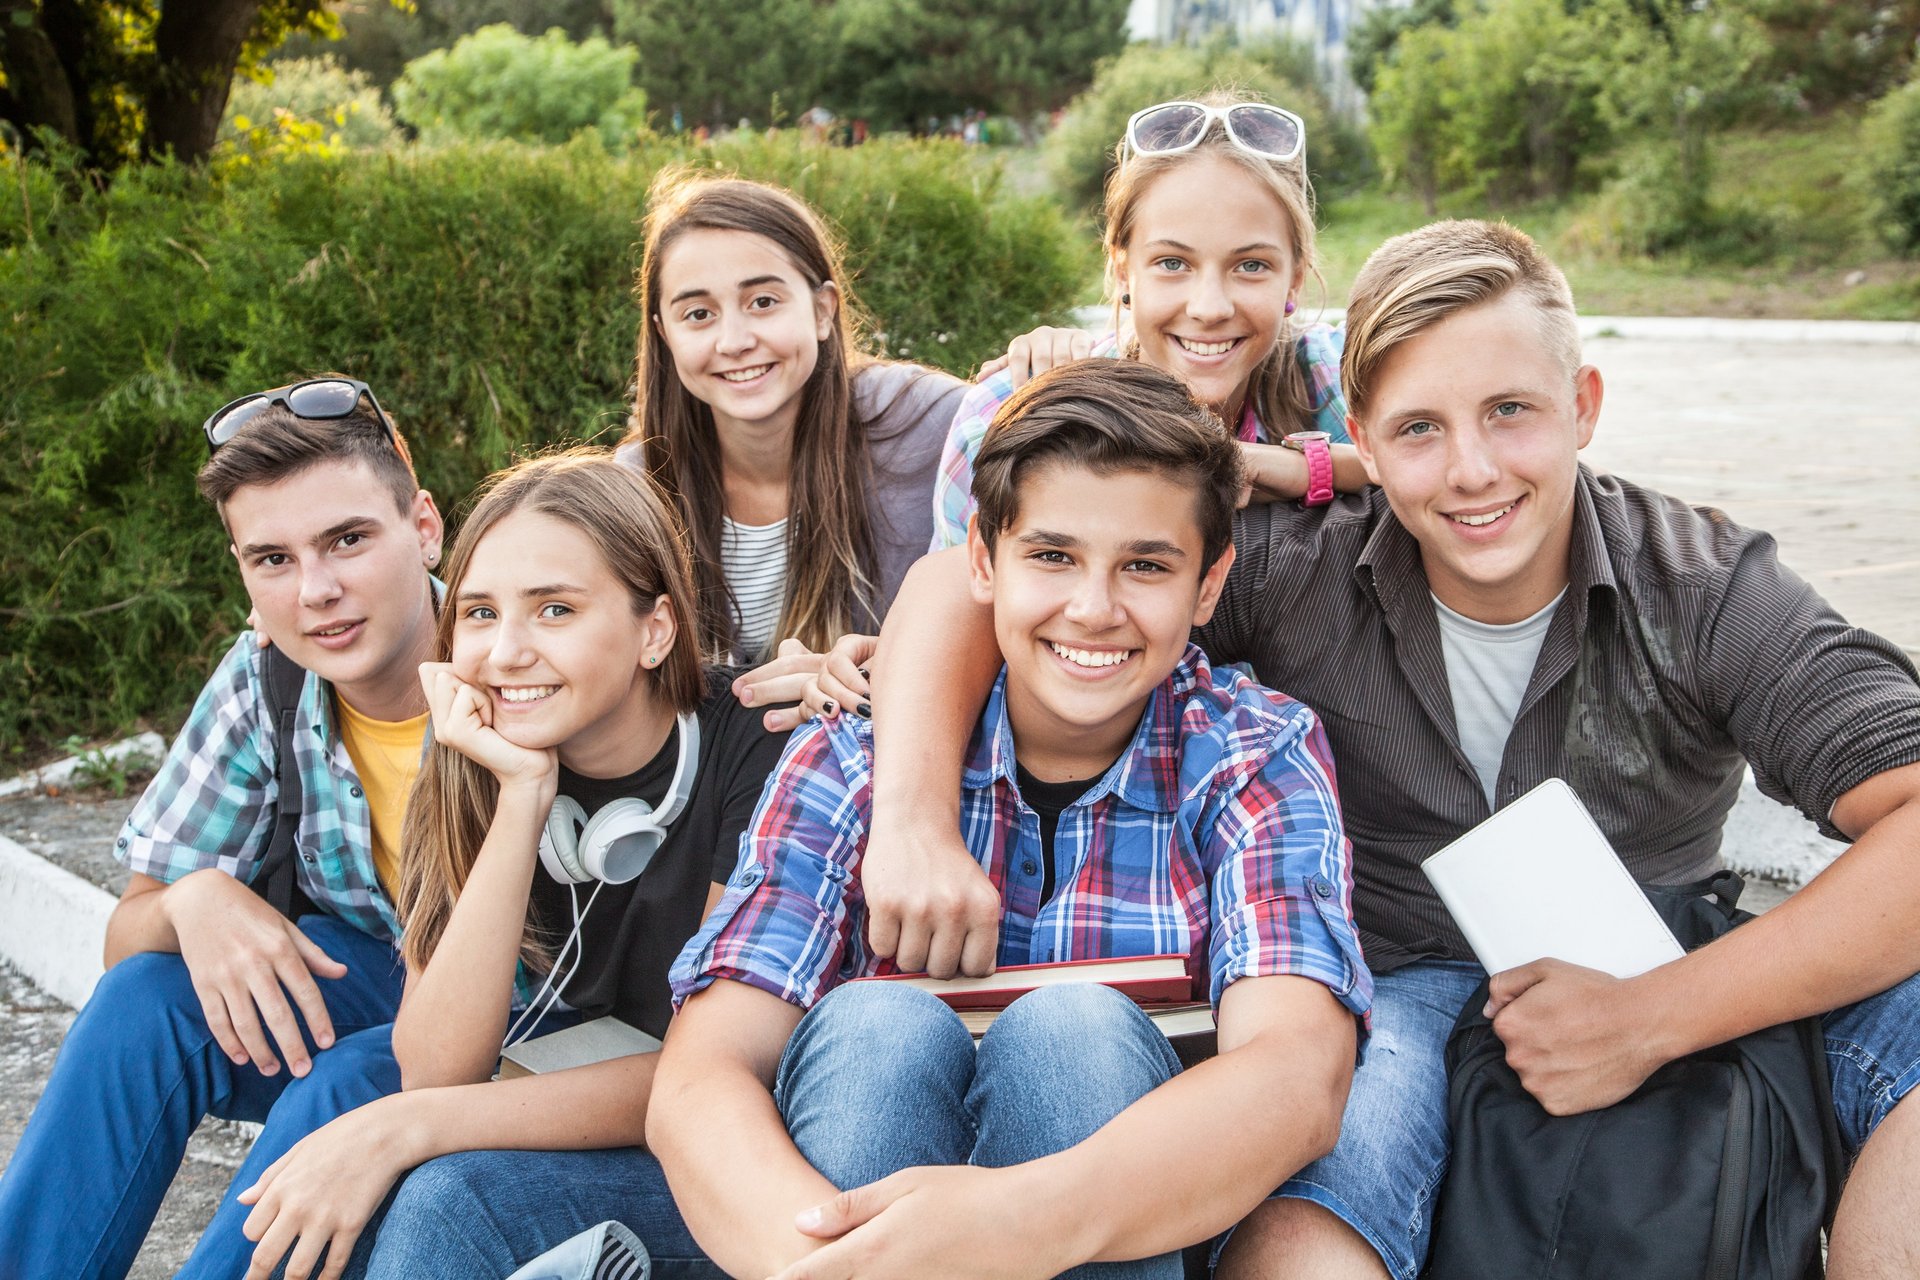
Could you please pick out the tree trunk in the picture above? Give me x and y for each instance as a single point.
(196, 48)
(38, 92)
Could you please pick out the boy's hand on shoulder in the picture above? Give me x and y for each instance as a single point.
(1578, 1039)
(952, 1220)
(463, 720)
(245, 958)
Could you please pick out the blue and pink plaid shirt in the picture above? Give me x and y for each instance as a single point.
(1318, 351)
(1216, 835)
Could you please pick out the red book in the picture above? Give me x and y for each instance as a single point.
(1146, 980)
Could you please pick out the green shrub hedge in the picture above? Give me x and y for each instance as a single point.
(484, 291)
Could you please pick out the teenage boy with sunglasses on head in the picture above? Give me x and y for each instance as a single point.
(202, 1008)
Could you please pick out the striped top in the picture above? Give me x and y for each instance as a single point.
(1682, 651)
(754, 560)
(1216, 835)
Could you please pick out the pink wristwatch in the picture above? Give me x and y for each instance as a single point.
(1318, 448)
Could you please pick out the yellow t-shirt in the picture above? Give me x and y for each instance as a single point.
(386, 755)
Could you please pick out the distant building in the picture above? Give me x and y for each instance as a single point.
(1321, 24)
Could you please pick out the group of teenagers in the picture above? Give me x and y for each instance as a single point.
(839, 667)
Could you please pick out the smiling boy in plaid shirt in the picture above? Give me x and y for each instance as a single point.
(1156, 805)
(209, 989)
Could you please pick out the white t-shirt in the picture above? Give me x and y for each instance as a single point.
(1488, 667)
(754, 560)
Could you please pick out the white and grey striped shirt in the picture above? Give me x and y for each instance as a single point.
(754, 560)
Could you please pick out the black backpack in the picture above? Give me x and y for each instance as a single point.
(1724, 1165)
(278, 880)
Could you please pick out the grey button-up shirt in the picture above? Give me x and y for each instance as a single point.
(1682, 650)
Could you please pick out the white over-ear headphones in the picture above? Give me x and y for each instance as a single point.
(617, 843)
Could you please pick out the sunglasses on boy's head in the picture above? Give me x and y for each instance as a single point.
(315, 400)
(1172, 127)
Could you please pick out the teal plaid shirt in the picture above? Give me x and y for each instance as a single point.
(214, 801)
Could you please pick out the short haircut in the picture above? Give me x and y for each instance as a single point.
(1414, 281)
(277, 443)
(1109, 416)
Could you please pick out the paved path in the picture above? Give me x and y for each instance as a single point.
(1817, 443)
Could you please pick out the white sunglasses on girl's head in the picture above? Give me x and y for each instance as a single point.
(1255, 127)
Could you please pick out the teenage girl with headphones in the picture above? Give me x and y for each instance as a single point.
(802, 466)
(577, 813)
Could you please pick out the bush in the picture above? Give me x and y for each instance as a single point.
(342, 107)
(1893, 140)
(1080, 151)
(1504, 106)
(497, 83)
(483, 290)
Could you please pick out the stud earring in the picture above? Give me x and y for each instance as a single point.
(1289, 310)
(1126, 299)
(651, 659)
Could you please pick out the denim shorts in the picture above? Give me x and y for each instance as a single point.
(1384, 1174)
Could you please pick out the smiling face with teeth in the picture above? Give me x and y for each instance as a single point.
(549, 632)
(1473, 431)
(1209, 267)
(744, 327)
(1094, 584)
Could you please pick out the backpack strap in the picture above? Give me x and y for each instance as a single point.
(279, 873)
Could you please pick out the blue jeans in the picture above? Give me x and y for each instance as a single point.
(881, 1077)
(484, 1213)
(136, 1074)
(1383, 1175)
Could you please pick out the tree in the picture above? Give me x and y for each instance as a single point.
(1827, 52)
(124, 78)
(497, 83)
(718, 63)
(379, 38)
(903, 61)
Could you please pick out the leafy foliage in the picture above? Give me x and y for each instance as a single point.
(902, 62)
(497, 83)
(378, 38)
(120, 79)
(1378, 33)
(758, 60)
(1503, 106)
(1080, 151)
(1893, 136)
(136, 307)
(340, 108)
(1827, 52)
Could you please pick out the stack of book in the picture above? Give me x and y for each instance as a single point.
(1160, 985)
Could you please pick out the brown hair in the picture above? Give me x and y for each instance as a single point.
(453, 801)
(277, 443)
(1414, 281)
(831, 561)
(1278, 389)
(1108, 416)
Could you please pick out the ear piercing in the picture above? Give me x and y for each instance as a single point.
(652, 659)
(1289, 310)
(1126, 299)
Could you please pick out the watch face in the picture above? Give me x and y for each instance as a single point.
(1301, 439)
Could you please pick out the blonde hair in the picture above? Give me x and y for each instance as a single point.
(831, 557)
(1416, 280)
(453, 801)
(1278, 389)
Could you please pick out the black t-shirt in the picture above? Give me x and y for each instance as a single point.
(1049, 800)
(635, 930)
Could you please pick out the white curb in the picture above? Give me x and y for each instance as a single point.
(60, 772)
(53, 924)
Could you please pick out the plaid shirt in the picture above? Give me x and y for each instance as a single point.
(1216, 835)
(1319, 354)
(213, 802)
